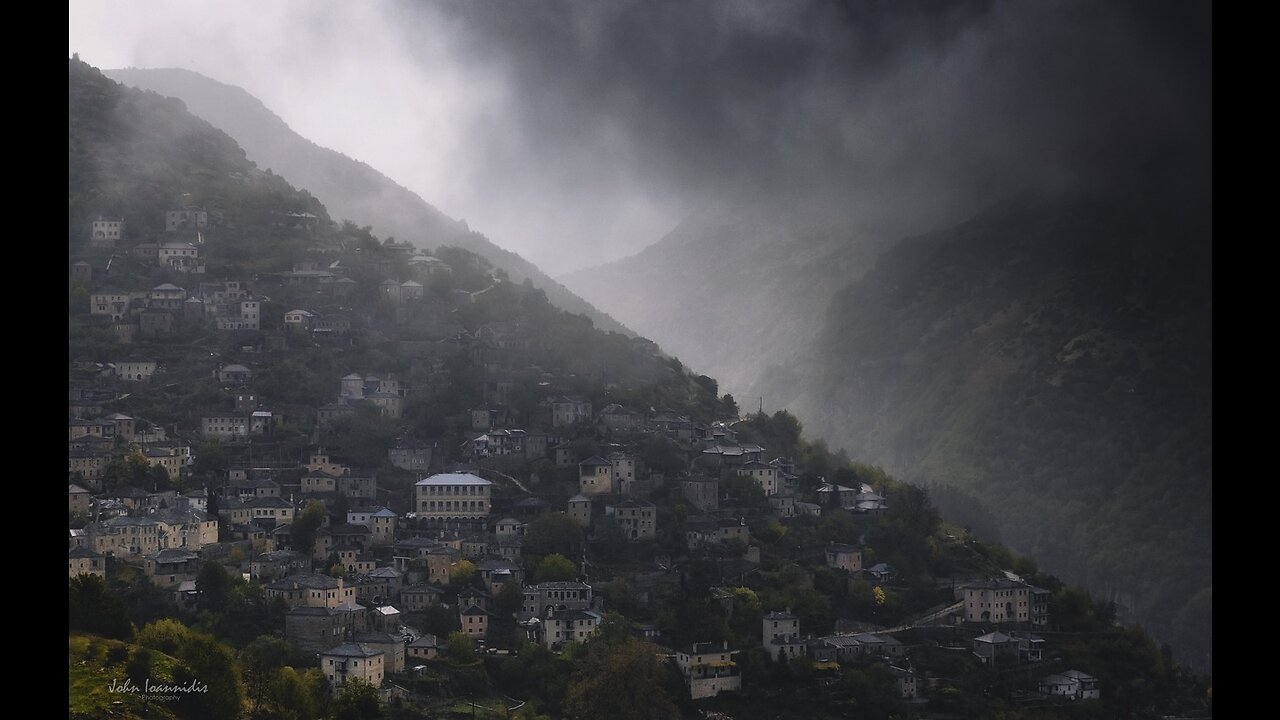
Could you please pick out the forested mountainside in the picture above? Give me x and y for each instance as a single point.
(1046, 370)
(267, 410)
(1051, 345)
(136, 155)
(351, 189)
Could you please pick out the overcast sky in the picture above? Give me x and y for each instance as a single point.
(578, 132)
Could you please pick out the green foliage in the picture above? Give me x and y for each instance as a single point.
(746, 492)
(363, 437)
(94, 609)
(439, 620)
(621, 679)
(248, 614)
(96, 664)
(208, 663)
(779, 432)
(210, 460)
(138, 669)
(688, 619)
(791, 587)
(460, 648)
(535, 672)
(744, 621)
(555, 567)
(553, 533)
(838, 526)
(872, 690)
(302, 532)
(661, 454)
(462, 573)
(357, 700)
(297, 695)
(133, 470)
(609, 543)
(215, 585)
(261, 663)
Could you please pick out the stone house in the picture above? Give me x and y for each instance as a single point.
(352, 660)
(564, 626)
(474, 620)
(709, 669)
(637, 518)
(83, 561)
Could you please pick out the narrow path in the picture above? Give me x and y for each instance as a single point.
(516, 482)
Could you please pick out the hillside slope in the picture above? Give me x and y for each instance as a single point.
(351, 189)
(1047, 370)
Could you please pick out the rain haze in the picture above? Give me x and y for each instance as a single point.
(578, 133)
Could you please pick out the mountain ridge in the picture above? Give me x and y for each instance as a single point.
(350, 188)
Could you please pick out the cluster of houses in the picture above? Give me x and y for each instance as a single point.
(389, 566)
(1006, 602)
(230, 305)
(167, 308)
(347, 591)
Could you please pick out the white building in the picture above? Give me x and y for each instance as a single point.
(452, 495)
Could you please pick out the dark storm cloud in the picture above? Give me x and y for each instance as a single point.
(888, 104)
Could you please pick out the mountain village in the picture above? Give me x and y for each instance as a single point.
(380, 557)
(395, 472)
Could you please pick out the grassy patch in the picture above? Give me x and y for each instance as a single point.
(93, 663)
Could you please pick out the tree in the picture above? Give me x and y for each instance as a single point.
(502, 625)
(462, 573)
(440, 620)
(555, 567)
(261, 661)
(744, 621)
(728, 406)
(302, 533)
(297, 695)
(210, 461)
(610, 542)
(621, 596)
(138, 669)
(745, 490)
(93, 609)
(661, 454)
(211, 503)
(624, 681)
(553, 533)
(358, 700)
(208, 663)
(131, 470)
(461, 649)
(338, 514)
(214, 584)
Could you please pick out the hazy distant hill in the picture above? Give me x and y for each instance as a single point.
(349, 188)
(733, 288)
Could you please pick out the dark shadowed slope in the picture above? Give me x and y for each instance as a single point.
(349, 188)
(1046, 369)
